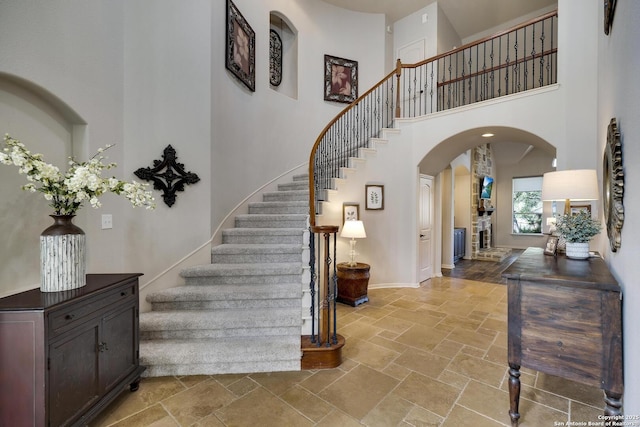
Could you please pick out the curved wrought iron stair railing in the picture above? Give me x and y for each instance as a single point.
(512, 61)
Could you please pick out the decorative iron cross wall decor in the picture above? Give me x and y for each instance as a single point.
(172, 179)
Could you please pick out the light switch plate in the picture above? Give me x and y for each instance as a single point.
(107, 221)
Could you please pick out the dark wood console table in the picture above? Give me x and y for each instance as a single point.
(64, 356)
(353, 282)
(565, 319)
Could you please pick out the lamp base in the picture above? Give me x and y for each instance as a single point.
(352, 253)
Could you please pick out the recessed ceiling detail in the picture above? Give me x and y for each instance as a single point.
(466, 17)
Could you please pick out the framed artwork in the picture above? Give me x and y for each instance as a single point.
(576, 209)
(609, 11)
(350, 212)
(552, 245)
(241, 47)
(374, 196)
(340, 79)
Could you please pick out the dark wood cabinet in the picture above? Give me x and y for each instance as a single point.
(565, 319)
(353, 283)
(64, 356)
(459, 243)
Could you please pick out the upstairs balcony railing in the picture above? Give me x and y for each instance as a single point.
(515, 60)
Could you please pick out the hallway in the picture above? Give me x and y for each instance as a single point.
(431, 356)
(481, 271)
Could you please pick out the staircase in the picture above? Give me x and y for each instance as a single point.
(243, 312)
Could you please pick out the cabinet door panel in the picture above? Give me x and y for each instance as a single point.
(73, 375)
(22, 367)
(118, 337)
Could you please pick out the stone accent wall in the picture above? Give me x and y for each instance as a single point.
(482, 165)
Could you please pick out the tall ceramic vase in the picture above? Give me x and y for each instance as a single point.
(62, 256)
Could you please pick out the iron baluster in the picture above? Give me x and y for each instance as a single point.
(312, 283)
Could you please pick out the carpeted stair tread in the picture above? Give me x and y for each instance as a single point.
(242, 269)
(226, 292)
(185, 352)
(276, 207)
(256, 253)
(238, 248)
(293, 195)
(256, 235)
(285, 231)
(294, 186)
(217, 319)
(273, 220)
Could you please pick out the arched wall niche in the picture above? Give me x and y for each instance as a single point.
(288, 34)
(46, 125)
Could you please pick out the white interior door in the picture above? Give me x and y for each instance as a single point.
(413, 52)
(425, 228)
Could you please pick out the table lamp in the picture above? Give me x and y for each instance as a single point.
(568, 185)
(355, 230)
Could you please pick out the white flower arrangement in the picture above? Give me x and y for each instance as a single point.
(82, 182)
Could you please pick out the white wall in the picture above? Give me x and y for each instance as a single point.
(265, 133)
(167, 86)
(462, 197)
(618, 96)
(508, 24)
(42, 129)
(448, 38)
(386, 247)
(73, 50)
(411, 29)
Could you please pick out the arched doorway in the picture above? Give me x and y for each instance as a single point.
(508, 153)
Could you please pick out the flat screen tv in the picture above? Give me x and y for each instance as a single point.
(487, 186)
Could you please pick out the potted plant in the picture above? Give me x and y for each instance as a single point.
(577, 230)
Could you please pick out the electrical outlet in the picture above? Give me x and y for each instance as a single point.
(107, 221)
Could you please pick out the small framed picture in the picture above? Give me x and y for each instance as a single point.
(551, 246)
(576, 209)
(350, 212)
(374, 197)
(340, 79)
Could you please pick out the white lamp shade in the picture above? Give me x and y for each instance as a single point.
(578, 185)
(353, 229)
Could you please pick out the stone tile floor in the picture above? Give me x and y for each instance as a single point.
(430, 356)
